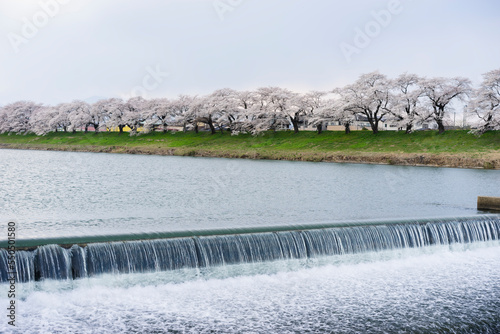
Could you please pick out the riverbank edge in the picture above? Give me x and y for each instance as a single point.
(478, 160)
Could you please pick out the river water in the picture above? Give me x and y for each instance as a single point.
(452, 288)
(51, 194)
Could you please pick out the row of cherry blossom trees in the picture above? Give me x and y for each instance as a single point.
(406, 101)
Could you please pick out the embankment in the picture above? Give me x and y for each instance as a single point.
(457, 148)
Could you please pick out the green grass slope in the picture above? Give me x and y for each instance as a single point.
(388, 146)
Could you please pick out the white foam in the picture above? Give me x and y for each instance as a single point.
(412, 290)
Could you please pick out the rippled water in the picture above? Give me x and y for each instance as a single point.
(59, 193)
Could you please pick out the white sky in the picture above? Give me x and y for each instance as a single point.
(105, 48)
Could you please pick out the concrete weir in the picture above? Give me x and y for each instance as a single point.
(190, 249)
(83, 240)
(488, 203)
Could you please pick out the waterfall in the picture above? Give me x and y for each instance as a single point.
(25, 266)
(141, 256)
(56, 262)
(52, 261)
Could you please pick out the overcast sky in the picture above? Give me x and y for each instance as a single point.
(84, 49)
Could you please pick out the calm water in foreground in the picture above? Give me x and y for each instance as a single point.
(428, 290)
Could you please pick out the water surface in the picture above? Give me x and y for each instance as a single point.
(52, 194)
(433, 289)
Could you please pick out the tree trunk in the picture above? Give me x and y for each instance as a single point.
(96, 128)
(319, 127)
(120, 128)
(273, 124)
(347, 128)
(196, 128)
(295, 123)
(487, 122)
(86, 128)
(374, 125)
(211, 125)
(409, 127)
(440, 125)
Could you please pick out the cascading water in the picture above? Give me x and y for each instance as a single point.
(52, 261)
(25, 266)
(140, 256)
(56, 262)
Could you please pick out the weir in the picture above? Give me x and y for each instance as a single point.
(137, 253)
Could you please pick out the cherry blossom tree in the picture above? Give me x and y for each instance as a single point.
(260, 119)
(369, 96)
(183, 113)
(117, 114)
(324, 114)
(256, 115)
(440, 92)
(245, 99)
(100, 113)
(203, 113)
(4, 120)
(312, 102)
(274, 109)
(60, 117)
(158, 111)
(41, 121)
(334, 110)
(15, 117)
(485, 103)
(130, 113)
(135, 110)
(284, 104)
(408, 109)
(221, 107)
(245, 103)
(78, 114)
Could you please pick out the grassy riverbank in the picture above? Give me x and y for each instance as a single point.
(455, 148)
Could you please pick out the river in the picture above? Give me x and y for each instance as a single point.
(435, 288)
